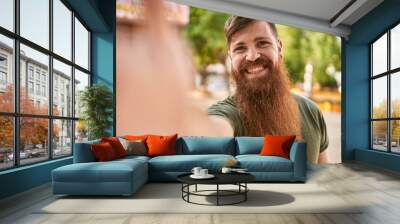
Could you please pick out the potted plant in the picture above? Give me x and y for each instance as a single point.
(96, 102)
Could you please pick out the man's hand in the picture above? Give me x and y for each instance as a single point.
(155, 74)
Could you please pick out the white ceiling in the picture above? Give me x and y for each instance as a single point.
(324, 9)
(316, 15)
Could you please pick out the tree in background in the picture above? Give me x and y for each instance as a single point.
(33, 130)
(327, 52)
(295, 51)
(81, 130)
(7, 99)
(206, 37)
(6, 122)
(205, 34)
(380, 127)
(6, 132)
(396, 124)
(319, 49)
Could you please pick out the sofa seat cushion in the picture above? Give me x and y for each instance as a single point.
(133, 158)
(185, 163)
(257, 163)
(111, 171)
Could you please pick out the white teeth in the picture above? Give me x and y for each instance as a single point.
(255, 69)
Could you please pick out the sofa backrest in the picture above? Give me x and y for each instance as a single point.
(83, 152)
(249, 145)
(192, 145)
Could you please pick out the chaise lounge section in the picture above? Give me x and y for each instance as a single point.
(88, 177)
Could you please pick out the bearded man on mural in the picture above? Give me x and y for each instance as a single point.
(262, 103)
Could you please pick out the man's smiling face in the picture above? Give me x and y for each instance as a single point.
(255, 52)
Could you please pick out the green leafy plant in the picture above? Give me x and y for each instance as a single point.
(96, 102)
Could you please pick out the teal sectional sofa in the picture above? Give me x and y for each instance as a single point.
(125, 176)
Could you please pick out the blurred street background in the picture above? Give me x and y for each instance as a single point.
(312, 59)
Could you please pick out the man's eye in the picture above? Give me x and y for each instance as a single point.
(239, 49)
(263, 43)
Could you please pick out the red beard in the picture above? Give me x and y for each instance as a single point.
(265, 103)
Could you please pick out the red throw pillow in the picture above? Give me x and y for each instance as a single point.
(116, 145)
(277, 145)
(161, 145)
(103, 151)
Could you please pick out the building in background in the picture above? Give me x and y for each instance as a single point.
(34, 81)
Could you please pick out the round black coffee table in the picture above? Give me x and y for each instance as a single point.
(238, 179)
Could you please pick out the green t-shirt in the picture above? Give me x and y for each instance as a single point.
(313, 127)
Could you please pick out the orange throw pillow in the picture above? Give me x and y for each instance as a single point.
(277, 145)
(161, 145)
(103, 152)
(116, 145)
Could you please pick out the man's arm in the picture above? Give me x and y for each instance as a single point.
(323, 157)
(225, 128)
(226, 116)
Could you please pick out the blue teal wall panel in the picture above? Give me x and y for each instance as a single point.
(356, 99)
(355, 63)
(375, 22)
(27, 177)
(89, 11)
(103, 53)
(103, 48)
(343, 119)
(103, 63)
(102, 58)
(380, 159)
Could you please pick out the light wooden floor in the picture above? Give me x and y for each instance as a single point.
(351, 181)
